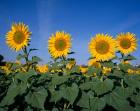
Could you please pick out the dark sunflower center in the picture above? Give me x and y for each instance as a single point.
(125, 43)
(60, 44)
(102, 47)
(19, 37)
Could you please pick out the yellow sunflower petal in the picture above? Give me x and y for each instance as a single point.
(126, 43)
(18, 37)
(42, 68)
(102, 47)
(59, 44)
(94, 62)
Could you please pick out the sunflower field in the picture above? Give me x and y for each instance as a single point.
(108, 82)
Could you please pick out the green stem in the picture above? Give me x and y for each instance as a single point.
(65, 106)
(26, 54)
(122, 55)
(68, 106)
(26, 58)
(122, 83)
(63, 58)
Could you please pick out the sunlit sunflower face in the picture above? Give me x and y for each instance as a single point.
(102, 47)
(93, 62)
(18, 37)
(42, 68)
(126, 43)
(59, 44)
(70, 64)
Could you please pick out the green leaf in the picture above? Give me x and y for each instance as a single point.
(55, 96)
(91, 58)
(25, 76)
(55, 109)
(85, 109)
(129, 57)
(71, 53)
(20, 56)
(137, 108)
(86, 85)
(57, 80)
(108, 64)
(12, 92)
(125, 67)
(84, 101)
(37, 99)
(28, 109)
(136, 98)
(118, 102)
(117, 73)
(131, 82)
(36, 59)
(32, 50)
(124, 92)
(103, 86)
(97, 104)
(75, 69)
(92, 70)
(70, 93)
(3, 109)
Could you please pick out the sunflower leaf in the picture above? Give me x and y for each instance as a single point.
(37, 99)
(36, 59)
(20, 56)
(129, 57)
(97, 104)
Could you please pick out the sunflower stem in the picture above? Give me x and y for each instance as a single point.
(122, 83)
(26, 58)
(26, 54)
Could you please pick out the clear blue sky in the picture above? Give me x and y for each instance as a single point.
(81, 18)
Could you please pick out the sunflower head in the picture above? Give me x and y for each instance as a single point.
(102, 47)
(70, 64)
(125, 62)
(6, 68)
(94, 62)
(59, 44)
(106, 70)
(18, 62)
(42, 68)
(83, 69)
(130, 71)
(18, 37)
(138, 71)
(126, 43)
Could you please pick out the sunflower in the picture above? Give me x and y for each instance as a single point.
(59, 44)
(42, 68)
(83, 69)
(18, 37)
(70, 64)
(106, 71)
(102, 47)
(126, 43)
(6, 68)
(125, 62)
(131, 71)
(94, 62)
(138, 71)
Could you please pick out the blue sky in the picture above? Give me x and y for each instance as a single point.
(81, 18)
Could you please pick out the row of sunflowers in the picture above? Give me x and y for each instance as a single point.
(109, 80)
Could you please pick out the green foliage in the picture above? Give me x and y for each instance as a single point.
(36, 59)
(63, 89)
(37, 99)
(70, 93)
